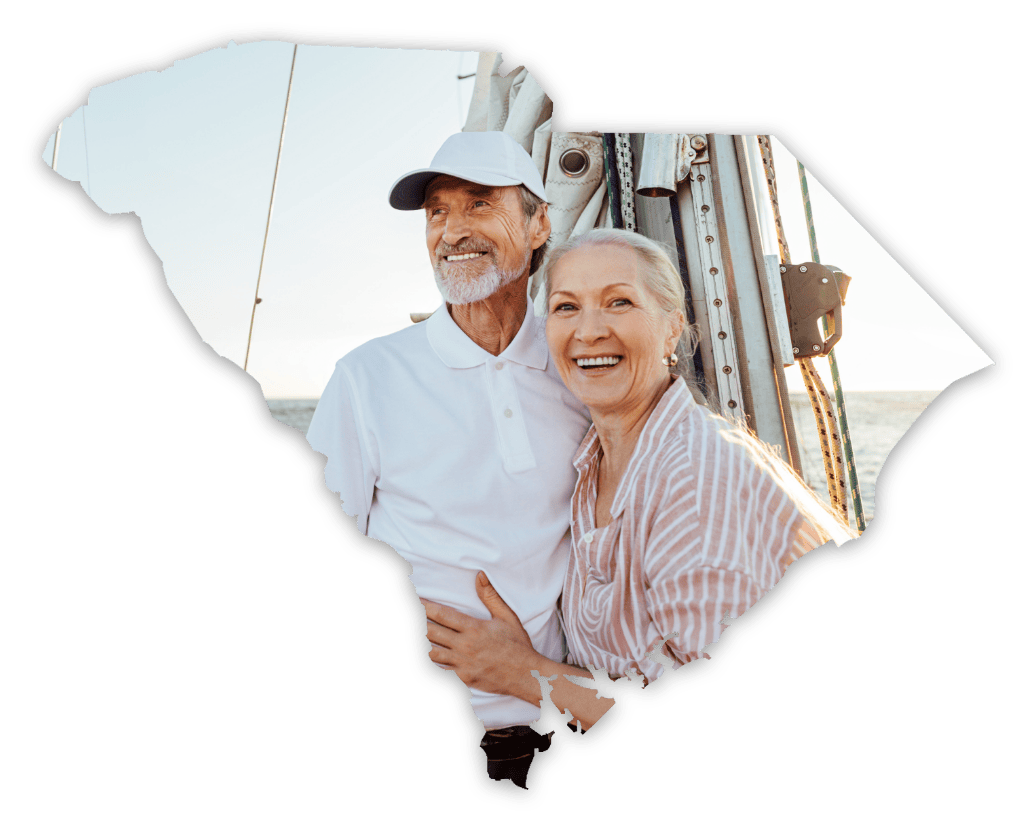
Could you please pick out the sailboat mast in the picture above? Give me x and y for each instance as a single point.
(270, 208)
(56, 145)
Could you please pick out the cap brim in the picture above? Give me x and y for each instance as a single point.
(408, 191)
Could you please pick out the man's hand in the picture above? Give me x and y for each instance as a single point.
(494, 655)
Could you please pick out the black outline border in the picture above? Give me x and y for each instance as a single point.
(127, 228)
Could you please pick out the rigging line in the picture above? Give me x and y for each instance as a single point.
(767, 155)
(625, 173)
(826, 420)
(56, 145)
(822, 410)
(612, 186)
(857, 500)
(270, 208)
(85, 144)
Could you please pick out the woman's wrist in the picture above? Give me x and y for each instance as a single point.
(529, 688)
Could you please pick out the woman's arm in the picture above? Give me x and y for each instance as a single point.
(496, 656)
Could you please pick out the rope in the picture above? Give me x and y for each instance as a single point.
(857, 500)
(823, 413)
(270, 209)
(627, 181)
(620, 184)
(767, 276)
(612, 187)
(768, 168)
(827, 429)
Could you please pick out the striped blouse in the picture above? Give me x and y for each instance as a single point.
(700, 531)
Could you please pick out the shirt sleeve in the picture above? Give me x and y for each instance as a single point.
(689, 609)
(721, 537)
(337, 430)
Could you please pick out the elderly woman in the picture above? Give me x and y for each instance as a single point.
(678, 519)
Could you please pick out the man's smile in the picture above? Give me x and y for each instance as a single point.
(464, 256)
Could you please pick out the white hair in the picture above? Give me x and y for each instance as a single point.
(658, 274)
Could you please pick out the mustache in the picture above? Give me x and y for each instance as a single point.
(466, 246)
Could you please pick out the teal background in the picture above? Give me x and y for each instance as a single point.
(182, 636)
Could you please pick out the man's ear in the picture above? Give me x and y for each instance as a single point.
(540, 227)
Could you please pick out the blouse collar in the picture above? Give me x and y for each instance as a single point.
(676, 402)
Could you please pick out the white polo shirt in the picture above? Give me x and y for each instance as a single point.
(461, 461)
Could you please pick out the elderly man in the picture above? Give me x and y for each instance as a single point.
(452, 440)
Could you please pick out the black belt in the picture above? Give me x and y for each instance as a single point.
(510, 750)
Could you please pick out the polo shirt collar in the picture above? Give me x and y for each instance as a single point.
(457, 351)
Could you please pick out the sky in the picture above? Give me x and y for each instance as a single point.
(192, 151)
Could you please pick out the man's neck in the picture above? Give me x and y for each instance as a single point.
(493, 322)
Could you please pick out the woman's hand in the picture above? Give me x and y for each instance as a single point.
(494, 655)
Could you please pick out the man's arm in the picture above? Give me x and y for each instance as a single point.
(338, 431)
(495, 655)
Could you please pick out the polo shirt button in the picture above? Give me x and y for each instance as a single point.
(499, 364)
(508, 412)
(588, 537)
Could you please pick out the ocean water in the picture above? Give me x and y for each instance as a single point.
(877, 421)
(295, 412)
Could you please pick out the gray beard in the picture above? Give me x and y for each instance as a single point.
(460, 290)
(468, 290)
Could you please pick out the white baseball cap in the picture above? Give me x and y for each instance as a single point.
(487, 157)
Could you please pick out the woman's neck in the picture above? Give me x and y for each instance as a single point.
(619, 432)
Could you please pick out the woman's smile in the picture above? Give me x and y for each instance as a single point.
(599, 364)
(606, 333)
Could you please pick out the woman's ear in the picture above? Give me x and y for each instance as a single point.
(677, 326)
